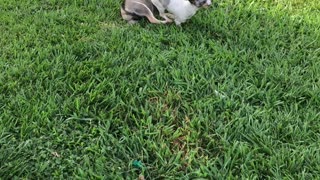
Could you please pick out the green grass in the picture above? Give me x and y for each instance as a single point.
(233, 94)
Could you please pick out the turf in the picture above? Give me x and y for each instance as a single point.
(232, 94)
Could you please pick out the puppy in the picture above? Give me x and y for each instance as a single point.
(179, 10)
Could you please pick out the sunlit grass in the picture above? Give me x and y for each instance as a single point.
(233, 93)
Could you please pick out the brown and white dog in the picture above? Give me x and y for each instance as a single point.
(179, 10)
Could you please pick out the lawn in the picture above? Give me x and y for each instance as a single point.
(232, 94)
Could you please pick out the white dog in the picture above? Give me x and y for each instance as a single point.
(179, 10)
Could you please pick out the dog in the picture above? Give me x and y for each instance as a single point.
(179, 10)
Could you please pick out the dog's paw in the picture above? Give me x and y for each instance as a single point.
(132, 22)
(169, 15)
(178, 23)
(169, 20)
(165, 21)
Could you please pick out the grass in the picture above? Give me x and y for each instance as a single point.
(233, 94)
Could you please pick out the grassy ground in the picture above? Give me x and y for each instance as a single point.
(234, 93)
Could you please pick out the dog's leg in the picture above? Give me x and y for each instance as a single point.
(150, 15)
(129, 17)
(161, 10)
(154, 20)
(125, 15)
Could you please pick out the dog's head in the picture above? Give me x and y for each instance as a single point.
(201, 3)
